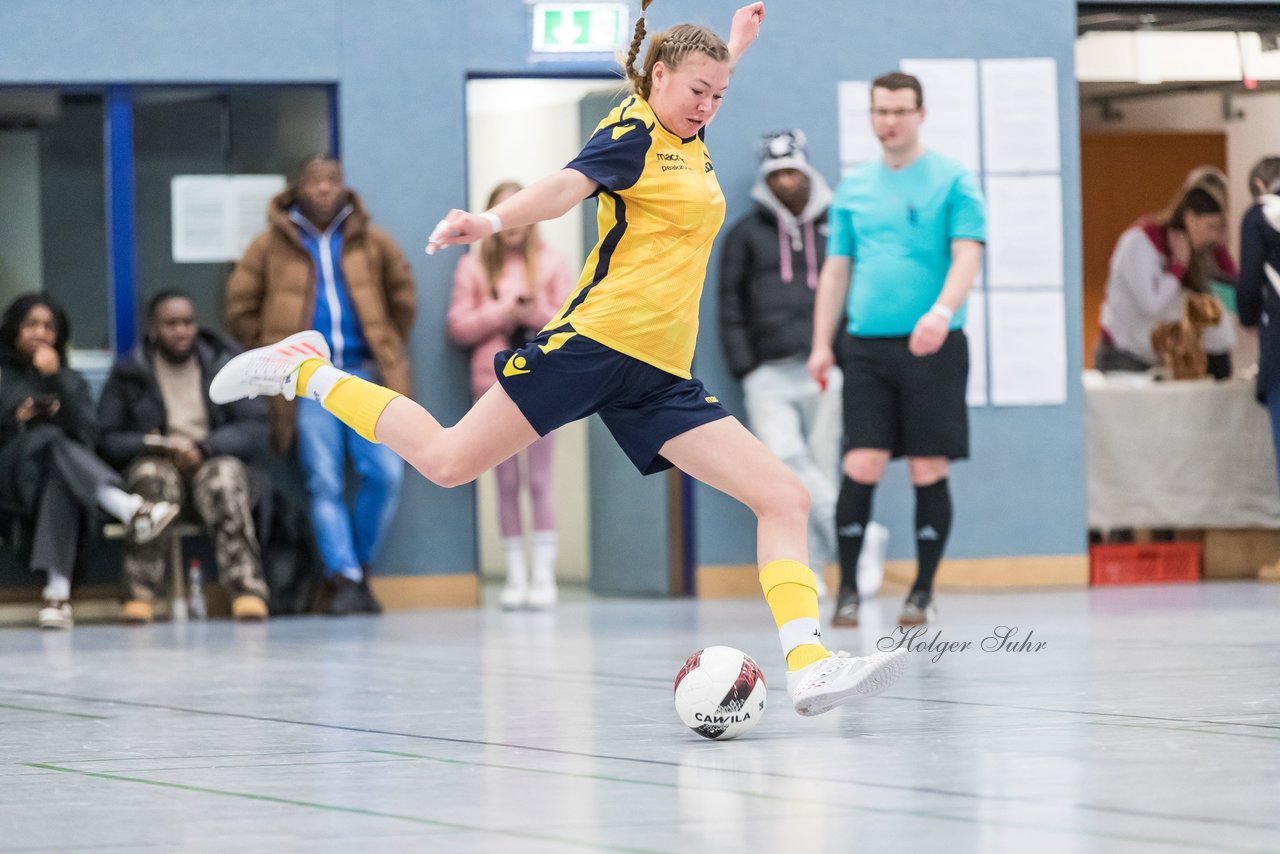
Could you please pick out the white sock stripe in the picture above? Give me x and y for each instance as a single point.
(323, 381)
(799, 632)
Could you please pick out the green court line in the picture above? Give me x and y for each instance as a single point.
(196, 756)
(926, 814)
(55, 712)
(1203, 730)
(880, 785)
(221, 767)
(250, 796)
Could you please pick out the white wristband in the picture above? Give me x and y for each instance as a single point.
(939, 308)
(493, 221)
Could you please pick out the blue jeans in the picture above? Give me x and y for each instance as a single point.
(1273, 409)
(348, 539)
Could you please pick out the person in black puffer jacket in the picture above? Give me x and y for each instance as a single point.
(1258, 293)
(768, 280)
(172, 443)
(50, 477)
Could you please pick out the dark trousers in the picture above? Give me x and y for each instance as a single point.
(73, 476)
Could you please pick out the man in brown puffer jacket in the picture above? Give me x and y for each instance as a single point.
(321, 265)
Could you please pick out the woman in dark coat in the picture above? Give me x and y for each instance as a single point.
(49, 477)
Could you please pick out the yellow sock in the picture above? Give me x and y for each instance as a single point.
(355, 402)
(305, 370)
(791, 590)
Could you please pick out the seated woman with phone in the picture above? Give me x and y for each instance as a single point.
(50, 479)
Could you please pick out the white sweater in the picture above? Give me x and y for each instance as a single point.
(1142, 294)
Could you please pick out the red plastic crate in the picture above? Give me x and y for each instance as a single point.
(1148, 563)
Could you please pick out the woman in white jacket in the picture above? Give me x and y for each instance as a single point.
(1153, 264)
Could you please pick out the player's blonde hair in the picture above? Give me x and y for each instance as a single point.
(668, 47)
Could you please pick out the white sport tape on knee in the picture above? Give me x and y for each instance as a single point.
(799, 632)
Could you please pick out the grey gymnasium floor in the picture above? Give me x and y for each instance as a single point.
(1149, 721)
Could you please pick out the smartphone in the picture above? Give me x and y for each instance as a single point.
(44, 402)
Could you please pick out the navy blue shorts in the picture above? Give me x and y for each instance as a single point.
(562, 376)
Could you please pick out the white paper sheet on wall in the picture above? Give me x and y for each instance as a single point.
(250, 196)
(1024, 231)
(858, 142)
(214, 217)
(1028, 348)
(198, 218)
(975, 329)
(1020, 115)
(951, 102)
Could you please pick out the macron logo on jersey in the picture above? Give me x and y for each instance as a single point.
(622, 130)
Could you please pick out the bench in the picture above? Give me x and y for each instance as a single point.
(176, 534)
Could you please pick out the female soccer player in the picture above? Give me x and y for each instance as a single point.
(621, 346)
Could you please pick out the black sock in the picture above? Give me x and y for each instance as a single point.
(853, 512)
(933, 523)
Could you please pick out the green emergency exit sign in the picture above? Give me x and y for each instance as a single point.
(579, 27)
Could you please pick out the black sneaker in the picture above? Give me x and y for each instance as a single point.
(345, 597)
(918, 609)
(369, 601)
(846, 609)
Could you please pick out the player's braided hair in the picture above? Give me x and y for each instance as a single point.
(668, 47)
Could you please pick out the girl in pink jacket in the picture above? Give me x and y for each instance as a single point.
(502, 297)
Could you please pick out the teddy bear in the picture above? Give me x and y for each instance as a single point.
(1179, 344)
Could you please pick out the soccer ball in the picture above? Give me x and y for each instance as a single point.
(720, 692)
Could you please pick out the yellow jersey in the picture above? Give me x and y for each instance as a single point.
(660, 208)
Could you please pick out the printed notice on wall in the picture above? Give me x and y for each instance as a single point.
(952, 89)
(1024, 231)
(975, 329)
(1020, 115)
(214, 217)
(858, 142)
(1028, 348)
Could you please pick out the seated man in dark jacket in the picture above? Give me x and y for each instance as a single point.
(159, 426)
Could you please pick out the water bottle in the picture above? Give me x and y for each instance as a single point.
(195, 591)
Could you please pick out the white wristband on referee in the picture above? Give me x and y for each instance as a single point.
(939, 308)
(493, 220)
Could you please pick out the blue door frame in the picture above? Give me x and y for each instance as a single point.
(121, 215)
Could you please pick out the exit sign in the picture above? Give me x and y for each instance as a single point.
(579, 27)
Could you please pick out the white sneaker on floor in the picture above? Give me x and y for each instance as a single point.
(513, 597)
(151, 520)
(842, 678)
(268, 370)
(56, 614)
(542, 595)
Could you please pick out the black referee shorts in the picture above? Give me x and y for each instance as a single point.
(908, 405)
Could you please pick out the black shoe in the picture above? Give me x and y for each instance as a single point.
(847, 604)
(345, 597)
(918, 610)
(369, 601)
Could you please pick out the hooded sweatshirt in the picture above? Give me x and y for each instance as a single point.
(769, 277)
(1258, 288)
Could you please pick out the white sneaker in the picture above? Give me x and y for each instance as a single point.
(268, 370)
(542, 595)
(513, 596)
(56, 614)
(151, 520)
(828, 683)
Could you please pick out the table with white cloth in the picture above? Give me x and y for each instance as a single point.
(1186, 454)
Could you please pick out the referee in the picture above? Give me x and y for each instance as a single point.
(906, 240)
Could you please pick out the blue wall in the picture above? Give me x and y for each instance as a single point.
(400, 67)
